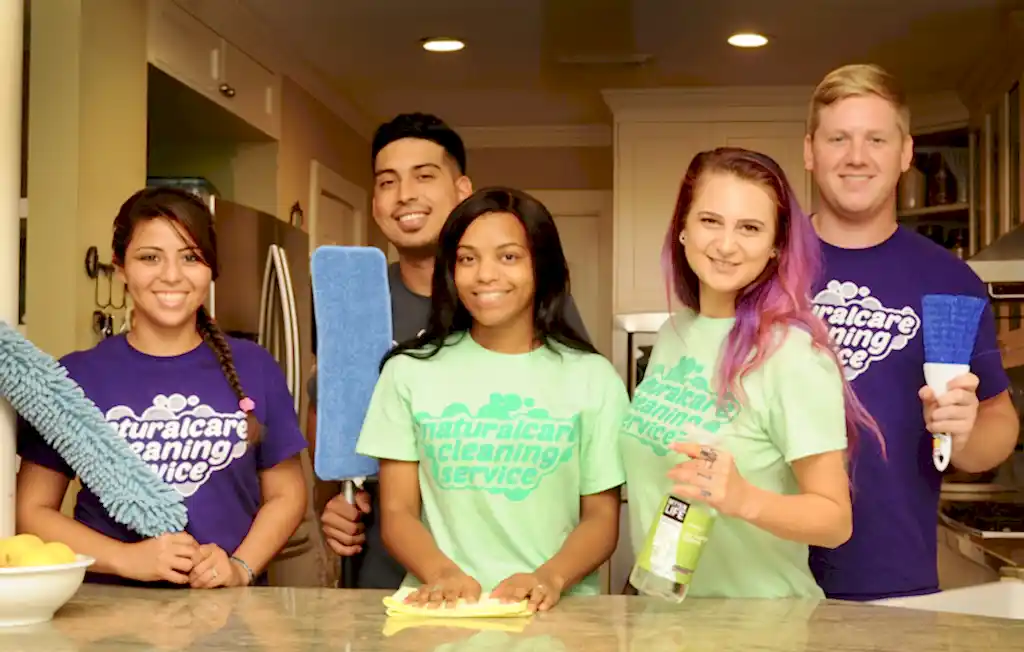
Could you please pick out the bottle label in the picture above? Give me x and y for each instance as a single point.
(676, 539)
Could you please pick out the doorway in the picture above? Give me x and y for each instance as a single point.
(337, 209)
(584, 220)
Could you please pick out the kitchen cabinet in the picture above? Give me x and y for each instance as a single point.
(658, 131)
(183, 47)
(934, 196)
(656, 135)
(992, 96)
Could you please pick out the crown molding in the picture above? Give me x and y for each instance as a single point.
(591, 135)
(757, 104)
(246, 30)
(936, 111)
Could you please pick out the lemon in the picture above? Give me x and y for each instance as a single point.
(13, 547)
(49, 554)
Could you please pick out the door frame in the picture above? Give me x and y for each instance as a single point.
(590, 204)
(325, 181)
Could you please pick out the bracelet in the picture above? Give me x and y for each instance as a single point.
(245, 566)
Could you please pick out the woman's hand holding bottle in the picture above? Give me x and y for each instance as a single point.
(168, 557)
(710, 476)
(446, 589)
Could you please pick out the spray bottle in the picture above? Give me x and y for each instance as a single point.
(675, 541)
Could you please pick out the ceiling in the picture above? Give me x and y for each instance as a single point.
(544, 62)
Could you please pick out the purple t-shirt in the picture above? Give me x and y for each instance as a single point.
(871, 300)
(180, 415)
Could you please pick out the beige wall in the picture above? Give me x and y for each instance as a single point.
(310, 131)
(554, 168)
(86, 154)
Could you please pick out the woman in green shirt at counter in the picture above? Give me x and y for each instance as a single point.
(748, 367)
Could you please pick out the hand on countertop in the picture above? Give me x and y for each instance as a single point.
(447, 589)
(213, 568)
(540, 590)
(166, 557)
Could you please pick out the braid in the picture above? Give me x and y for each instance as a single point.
(213, 336)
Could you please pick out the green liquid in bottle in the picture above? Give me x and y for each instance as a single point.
(673, 547)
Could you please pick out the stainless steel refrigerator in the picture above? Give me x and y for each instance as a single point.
(263, 291)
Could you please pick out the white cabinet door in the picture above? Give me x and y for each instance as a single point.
(651, 159)
(254, 96)
(184, 48)
(783, 141)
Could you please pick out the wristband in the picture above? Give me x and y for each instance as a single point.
(245, 566)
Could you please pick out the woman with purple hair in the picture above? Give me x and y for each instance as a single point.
(744, 407)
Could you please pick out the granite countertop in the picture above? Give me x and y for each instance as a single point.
(299, 619)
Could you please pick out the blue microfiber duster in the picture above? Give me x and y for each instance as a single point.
(950, 323)
(39, 389)
(352, 303)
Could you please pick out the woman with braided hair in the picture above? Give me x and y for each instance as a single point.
(211, 415)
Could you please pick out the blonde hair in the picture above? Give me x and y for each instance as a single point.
(858, 80)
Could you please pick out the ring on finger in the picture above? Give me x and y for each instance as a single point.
(710, 455)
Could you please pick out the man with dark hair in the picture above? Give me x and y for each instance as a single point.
(419, 167)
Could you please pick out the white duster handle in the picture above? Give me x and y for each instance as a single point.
(937, 375)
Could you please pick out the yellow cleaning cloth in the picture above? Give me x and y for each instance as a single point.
(486, 607)
(394, 624)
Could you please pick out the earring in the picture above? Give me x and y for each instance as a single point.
(775, 252)
(682, 238)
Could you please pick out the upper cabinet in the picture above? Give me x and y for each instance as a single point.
(992, 95)
(186, 49)
(658, 131)
(934, 195)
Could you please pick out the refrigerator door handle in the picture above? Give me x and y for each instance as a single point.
(291, 339)
(263, 335)
(280, 276)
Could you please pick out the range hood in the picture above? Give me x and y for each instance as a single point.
(1001, 265)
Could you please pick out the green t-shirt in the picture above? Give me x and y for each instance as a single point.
(793, 409)
(507, 445)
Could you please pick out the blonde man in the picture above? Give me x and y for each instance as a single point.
(858, 143)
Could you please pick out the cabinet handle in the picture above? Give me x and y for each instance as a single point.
(226, 90)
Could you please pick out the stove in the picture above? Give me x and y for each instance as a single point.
(986, 519)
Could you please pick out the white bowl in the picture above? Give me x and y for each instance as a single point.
(32, 594)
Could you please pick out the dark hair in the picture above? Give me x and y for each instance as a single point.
(191, 214)
(425, 127)
(550, 272)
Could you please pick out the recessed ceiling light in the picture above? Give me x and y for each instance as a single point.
(442, 44)
(747, 40)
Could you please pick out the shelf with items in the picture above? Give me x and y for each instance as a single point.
(939, 175)
(948, 212)
(934, 194)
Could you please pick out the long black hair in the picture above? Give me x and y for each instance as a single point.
(550, 273)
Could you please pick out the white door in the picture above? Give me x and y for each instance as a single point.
(580, 236)
(584, 222)
(337, 209)
(335, 222)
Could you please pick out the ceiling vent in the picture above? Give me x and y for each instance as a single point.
(605, 59)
